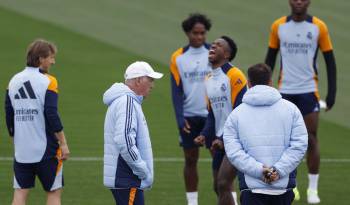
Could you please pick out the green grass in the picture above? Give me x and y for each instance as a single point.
(152, 29)
(97, 42)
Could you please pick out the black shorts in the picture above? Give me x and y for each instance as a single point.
(306, 102)
(187, 139)
(249, 198)
(131, 196)
(49, 172)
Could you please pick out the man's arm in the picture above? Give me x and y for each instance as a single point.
(235, 152)
(9, 115)
(271, 56)
(238, 83)
(125, 137)
(274, 43)
(209, 127)
(178, 101)
(240, 95)
(53, 118)
(325, 45)
(332, 78)
(177, 92)
(293, 155)
(63, 145)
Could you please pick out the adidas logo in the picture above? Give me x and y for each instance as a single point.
(238, 82)
(22, 94)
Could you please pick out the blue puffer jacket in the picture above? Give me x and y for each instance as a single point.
(128, 158)
(265, 130)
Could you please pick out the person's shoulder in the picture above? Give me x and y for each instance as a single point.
(236, 75)
(280, 21)
(53, 84)
(122, 102)
(179, 51)
(317, 21)
(237, 71)
(16, 78)
(50, 77)
(238, 113)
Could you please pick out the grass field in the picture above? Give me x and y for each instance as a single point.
(96, 43)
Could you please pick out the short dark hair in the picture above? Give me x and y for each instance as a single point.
(259, 74)
(194, 18)
(233, 47)
(39, 48)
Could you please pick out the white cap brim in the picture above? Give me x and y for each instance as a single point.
(155, 75)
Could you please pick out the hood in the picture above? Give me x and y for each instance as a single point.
(117, 90)
(261, 95)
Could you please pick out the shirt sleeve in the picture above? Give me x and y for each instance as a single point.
(9, 115)
(209, 127)
(177, 92)
(324, 40)
(238, 86)
(274, 41)
(51, 106)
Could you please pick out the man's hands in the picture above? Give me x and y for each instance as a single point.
(217, 144)
(270, 175)
(64, 152)
(199, 140)
(330, 100)
(63, 146)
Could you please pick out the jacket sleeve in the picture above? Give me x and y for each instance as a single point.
(125, 137)
(293, 155)
(10, 114)
(235, 152)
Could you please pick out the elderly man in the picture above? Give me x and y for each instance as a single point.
(265, 138)
(128, 158)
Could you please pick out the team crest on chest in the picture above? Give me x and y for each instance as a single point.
(223, 87)
(309, 35)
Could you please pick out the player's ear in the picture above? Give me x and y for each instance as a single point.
(249, 84)
(270, 83)
(227, 54)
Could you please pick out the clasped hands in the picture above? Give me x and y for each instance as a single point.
(270, 174)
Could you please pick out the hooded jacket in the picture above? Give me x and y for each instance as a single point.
(128, 158)
(265, 130)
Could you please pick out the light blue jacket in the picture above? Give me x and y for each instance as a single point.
(128, 158)
(265, 130)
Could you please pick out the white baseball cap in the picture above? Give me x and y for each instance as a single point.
(139, 69)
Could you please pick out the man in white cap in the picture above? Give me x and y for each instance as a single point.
(128, 158)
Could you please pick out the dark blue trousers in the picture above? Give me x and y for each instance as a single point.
(249, 198)
(132, 196)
